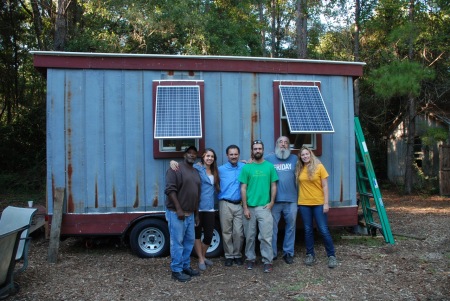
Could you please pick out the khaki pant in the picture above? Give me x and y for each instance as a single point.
(232, 229)
(262, 217)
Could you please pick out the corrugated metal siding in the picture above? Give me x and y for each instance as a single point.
(100, 133)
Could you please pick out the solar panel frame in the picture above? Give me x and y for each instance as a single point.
(178, 112)
(305, 109)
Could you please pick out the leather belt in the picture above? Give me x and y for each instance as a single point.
(232, 202)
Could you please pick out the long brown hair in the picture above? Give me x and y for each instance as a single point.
(214, 168)
(311, 167)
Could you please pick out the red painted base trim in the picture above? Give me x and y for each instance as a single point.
(337, 217)
(118, 223)
(100, 224)
(343, 217)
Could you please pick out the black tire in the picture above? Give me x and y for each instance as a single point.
(150, 238)
(216, 247)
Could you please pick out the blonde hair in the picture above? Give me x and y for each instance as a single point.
(311, 167)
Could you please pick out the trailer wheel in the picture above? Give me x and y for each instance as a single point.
(150, 238)
(216, 247)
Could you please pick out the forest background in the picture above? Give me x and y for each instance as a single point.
(405, 44)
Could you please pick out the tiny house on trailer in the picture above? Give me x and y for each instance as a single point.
(114, 121)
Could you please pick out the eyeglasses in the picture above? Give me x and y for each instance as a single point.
(257, 142)
(283, 142)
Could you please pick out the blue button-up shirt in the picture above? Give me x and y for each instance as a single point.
(230, 187)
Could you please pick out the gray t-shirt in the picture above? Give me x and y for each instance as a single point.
(286, 188)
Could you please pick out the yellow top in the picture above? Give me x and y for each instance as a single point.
(311, 192)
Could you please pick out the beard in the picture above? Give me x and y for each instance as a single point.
(258, 156)
(282, 153)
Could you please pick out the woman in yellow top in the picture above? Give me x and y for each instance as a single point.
(312, 180)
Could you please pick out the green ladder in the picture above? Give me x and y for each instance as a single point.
(369, 193)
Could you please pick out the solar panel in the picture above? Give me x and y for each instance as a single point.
(305, 109)
(178, 113)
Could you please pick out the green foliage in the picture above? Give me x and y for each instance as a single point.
(23, 151)
(400, 78)
(425, 184)
(335, 45)
(432, 135)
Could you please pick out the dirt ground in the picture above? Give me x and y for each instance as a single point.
(417, 267)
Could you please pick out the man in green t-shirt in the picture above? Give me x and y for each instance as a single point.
(258, 190)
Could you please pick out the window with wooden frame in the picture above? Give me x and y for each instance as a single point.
(178, 117)
(300, 114)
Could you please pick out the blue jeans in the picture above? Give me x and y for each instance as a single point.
(289, 211)
(182, 236)
(316, 212)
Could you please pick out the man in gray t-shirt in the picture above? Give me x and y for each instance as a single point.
(286, 198)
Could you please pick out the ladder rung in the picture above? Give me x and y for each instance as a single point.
(376, 225)
(370, 195)
(373, 209)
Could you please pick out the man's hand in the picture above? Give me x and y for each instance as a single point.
(180, 214)
(247, 213)
(326, 208)
(174, 165)
(269, 206)
(197, 220)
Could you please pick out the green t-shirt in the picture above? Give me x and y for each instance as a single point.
(258, 177)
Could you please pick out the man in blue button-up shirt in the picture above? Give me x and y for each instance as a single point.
(230, 207)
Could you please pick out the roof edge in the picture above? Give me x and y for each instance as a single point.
(206, 57)
(123, 61)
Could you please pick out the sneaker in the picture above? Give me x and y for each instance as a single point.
(289, 259)
(268, 268)
(310, 260)
(180, 276)
(249, 264)
(202, 266)
(191, 272)
(228, 262)
(332, 262)
(208, 262)
(238, 261)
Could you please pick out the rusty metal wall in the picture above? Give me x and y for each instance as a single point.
(100, 133)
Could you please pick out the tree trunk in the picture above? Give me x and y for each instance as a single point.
(302, 31)
(61, 25)
(273, 28)
(356, 56)
(37, 22)
(409, 160)
(263, 31)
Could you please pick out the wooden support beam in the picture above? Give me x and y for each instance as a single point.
(55, 230)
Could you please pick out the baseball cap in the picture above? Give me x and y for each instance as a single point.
(188, 148)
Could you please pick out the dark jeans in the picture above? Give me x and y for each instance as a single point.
(310, 213)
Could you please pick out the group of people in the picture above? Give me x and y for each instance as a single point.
(252, 196)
